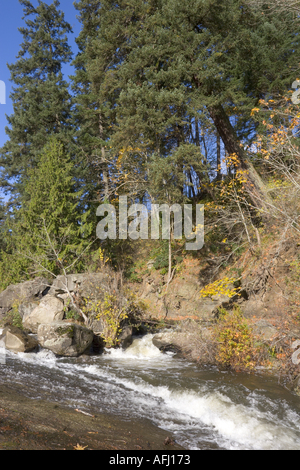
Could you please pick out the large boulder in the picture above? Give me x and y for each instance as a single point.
(65, 338)
(125, 337)
(26, 308)
(50, 310)
(84, 284)
(17, 340)
(170, 341)
(192, 341)
(16, 294)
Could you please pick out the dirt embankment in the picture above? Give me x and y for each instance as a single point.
(269, 301)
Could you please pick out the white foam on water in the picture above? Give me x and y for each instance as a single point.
(235, 426)
(242, 427)
(111, 380)
(43, 357)
(142, 348)
(2, 350)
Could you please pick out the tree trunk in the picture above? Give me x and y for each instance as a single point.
(170, 260)
(256, 187)
(103, 163)
(219, 175)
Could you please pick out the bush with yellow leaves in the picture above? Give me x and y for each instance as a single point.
(238, 348)
(113, 308)
(220, 287)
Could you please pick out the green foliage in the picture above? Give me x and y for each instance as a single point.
(13, 267)
(133, 275)
(40, 96)
(72, 315)
(48, 233)
(154, 82)
(13, 317)
(162, 258)
(174, 67)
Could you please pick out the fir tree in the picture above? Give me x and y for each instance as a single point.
(104, 43)
(2, 220)
(49, 230)
(206, 62)
(40, 96)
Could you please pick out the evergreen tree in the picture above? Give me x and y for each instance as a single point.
(49, 230)
(40, 96)
(207, 61)
(104, 43)
(2, 220)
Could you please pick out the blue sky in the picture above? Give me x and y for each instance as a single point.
(11, 13)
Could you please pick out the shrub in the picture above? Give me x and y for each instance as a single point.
(222, 286)
(113, 307)
(13, 317)
(237, 346)
(73, 315)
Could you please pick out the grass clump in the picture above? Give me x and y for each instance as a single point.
(13, 317)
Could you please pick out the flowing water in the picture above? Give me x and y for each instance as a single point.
(201, 408)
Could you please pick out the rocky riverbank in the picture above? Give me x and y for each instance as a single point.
(257, 333)
(27, 424)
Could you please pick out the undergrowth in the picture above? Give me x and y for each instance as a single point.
(238, 347)
(13, 317)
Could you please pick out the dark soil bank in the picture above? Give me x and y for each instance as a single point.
(27, 424)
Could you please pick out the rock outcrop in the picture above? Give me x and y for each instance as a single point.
(26, 291)
(65, 338)
(191, 341)
(50, 310)
(125, 337)
(26, 308)
(170, 341)
(84, 284)
(182, 301)
(16, 340)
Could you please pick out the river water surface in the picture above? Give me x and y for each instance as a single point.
(200, 408)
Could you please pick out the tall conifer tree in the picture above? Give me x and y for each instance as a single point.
(104, 44)
(40, 96)
(179, 63)
(49, 231)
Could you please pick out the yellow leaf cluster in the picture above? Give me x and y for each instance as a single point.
(220, 287)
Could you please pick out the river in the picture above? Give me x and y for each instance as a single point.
(201, 408)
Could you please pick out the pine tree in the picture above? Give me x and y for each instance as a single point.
(40, 96)
(49, 231)
(104, 45)
(2, 220)
(208, 61)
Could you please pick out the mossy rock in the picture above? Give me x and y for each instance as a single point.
(65, 339)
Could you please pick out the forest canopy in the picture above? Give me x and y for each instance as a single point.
(171, 101)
